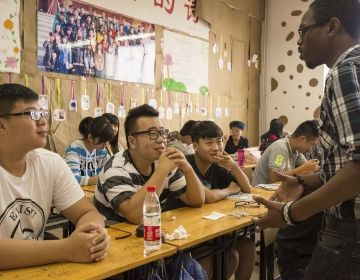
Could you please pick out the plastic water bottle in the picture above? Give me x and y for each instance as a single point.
(241, 157)
(152, 221)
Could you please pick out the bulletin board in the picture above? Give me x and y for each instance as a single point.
(185, 63)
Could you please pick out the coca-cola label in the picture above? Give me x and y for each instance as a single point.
(152, 233)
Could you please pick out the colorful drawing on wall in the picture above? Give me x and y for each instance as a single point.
(77, 38)
(10, 44)
(185, 63)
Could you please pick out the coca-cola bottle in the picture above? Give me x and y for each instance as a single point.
(152, 221)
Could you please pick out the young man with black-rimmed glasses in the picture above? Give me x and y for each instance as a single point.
(31, 181)
(122, 183)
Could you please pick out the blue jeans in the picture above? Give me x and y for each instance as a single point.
(337, 252)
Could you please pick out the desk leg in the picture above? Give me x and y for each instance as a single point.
(262, 274)
(218, 259)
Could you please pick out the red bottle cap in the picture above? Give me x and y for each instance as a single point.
(151, 188)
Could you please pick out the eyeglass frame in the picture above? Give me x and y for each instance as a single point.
(241, 203)
(159, 132)
(302, 30)
(43, 114)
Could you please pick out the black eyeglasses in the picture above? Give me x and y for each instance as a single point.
(246, 204)
(303, 30)
(153, 133)
(34, 115)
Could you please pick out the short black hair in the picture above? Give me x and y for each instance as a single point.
(205, 129)
(347, 11)
(186, 129)
(12, 93)
(238, 124)
(133, 115)
(309, 129)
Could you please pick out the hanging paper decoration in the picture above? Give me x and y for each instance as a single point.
(215, 47)
(110, 107)
(161, 108)
(73, 102)
(229, 60)
(218, 110)
(226, 110)
(221, 60)
(59, 114)
(133, 103)
(152, 101)
(203, 109)
(197, 107)
(85, 99)
(121, 108)
(169, 110)
(98, 109)
(43, 100)
(176, 104)
(26, 77)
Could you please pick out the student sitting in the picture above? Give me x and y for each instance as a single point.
(221, 177)
(88, 155)
(275, 132)
(295, 243)
(182, 141)
(113, 145)
(32, 180)
(122, 182)
(236, 141)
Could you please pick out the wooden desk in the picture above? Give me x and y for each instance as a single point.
(200, 229)
(90, 188)
(124, 255)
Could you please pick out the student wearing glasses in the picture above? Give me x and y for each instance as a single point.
(31, 181)
(88, 155)
(220, 176)
(329, 34)
(122, 182)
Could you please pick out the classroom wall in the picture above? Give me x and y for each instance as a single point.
(238, 90)
(290, 88)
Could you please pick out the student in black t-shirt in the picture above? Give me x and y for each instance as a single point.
(236, 141)
(221, 176)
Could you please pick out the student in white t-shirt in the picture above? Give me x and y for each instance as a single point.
(31, 181)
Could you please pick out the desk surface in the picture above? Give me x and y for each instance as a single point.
(124, 254)
(200, 229)
(90, 188)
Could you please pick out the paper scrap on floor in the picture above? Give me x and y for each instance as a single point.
(214, 216)
(269, 187)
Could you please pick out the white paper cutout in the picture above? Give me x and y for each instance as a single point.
(221, 63)
(133, 103)
(161, 113)
(153, 103)
(73, 105)
(43, 102)
(110, 108)
(176, 108)
(121, 112)
(59, 115)
(203, 111)
(85, 102)
(169, 113)
(218, 112)
(227, 112)
(98, 111)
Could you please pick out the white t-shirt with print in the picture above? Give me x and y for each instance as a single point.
(25, 201)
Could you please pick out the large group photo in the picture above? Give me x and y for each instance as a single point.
(79, 39)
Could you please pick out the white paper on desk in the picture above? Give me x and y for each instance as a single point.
(241, 196)
(269, 187)
(179, 233)
(214, 216)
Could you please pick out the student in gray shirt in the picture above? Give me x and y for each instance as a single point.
(285, 155)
